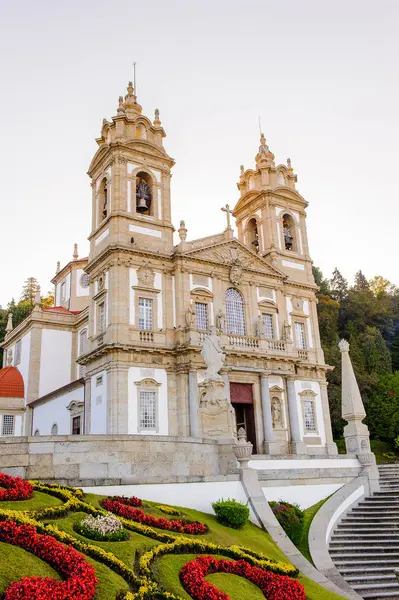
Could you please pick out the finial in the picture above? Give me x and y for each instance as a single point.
(37, 301)
(121, 106)
(58, 266)
(157, 121)
(343, 346)
(9, 358)
(182, 231)
(130, 89)
(263, 148)
(9, 327)
(289, 165)
(75, 252)
(242, 170)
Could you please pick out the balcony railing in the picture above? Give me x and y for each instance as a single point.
(276, 345)
(243, 341)
(146, 336)
(303, 354)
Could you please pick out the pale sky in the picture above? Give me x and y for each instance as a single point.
(322, 75)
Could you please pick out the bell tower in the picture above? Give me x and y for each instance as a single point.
(271, 218)
(130, 175)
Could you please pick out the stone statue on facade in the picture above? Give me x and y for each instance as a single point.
(190, 317)
(287, 331)
(276, 412)
(213, 355)
(220, 321)
(260, 327)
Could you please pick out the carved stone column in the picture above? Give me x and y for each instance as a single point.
(297, 444)
(331, 446)
(270, 445)
(193, 403)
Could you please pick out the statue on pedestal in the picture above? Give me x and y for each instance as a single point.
(213, 355)
(220, 321)
(215, 412)
(260, 327)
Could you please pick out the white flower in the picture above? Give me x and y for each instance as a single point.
(103, 524)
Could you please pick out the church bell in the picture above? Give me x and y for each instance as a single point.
(141, 205)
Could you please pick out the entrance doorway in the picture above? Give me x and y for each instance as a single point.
(243, 404)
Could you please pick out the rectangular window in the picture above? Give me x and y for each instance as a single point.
(268, 323)
(63, 295)
(145, 313)
(99, 380)
(300, 339)
(17, 358)
(201, 316)
(147, 410)
(76, 426)
(8, 425)
(82, 341)
(101, 317)
(309, 416)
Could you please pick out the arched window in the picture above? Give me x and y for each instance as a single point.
(37, 432)
(252, 235)
(144, 194)
(235, 321)
(290, 242)
(54, 429)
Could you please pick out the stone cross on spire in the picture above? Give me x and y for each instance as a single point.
(228, 212)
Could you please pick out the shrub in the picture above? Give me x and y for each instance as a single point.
(15, 488)
(231, 513)
(102, 528)
(290, 517)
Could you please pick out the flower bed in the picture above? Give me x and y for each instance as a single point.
(118, 507)
(168, 510)
(15, 488)
(102, 528)
(81, 581)
(274, 587)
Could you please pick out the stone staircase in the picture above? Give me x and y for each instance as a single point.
(365, 544)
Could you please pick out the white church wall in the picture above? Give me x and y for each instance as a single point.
(137, 374)
(301, 386)
(99, 403)
(132, 282)
(23, 365)
(198, 496)
(55, 411)
(304, 495)
(306, 310)
(158, 286)
(55, 360)
(80, 291)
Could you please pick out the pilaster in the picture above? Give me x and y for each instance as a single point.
(297, 444)
(270, 445)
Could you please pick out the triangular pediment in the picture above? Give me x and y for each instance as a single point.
(233, 252)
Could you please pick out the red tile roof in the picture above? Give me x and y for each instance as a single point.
(11, 383)
(61, 309)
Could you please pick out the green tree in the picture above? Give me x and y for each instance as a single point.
(339, 285)
(29, 290)
(361, 282)
(383, 409)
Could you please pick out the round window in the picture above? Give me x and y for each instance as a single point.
(85, 280)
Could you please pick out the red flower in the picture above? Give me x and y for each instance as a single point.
(273, 586)
(123, 507)
(80, 577)
(15, 488)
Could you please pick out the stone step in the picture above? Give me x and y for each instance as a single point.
(372, 563)
(367, 517)
(375, 586)
(360, 571)
(381, 578)
(380, 595)
(386, 543)
(370, 509)
(343, 554)
(359, 535)
(365, 549)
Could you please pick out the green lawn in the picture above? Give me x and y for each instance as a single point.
(16, 563)
(309, 514)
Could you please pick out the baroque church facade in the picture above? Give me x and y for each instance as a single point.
(120, 351)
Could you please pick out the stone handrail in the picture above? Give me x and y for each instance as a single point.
(276, 345)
